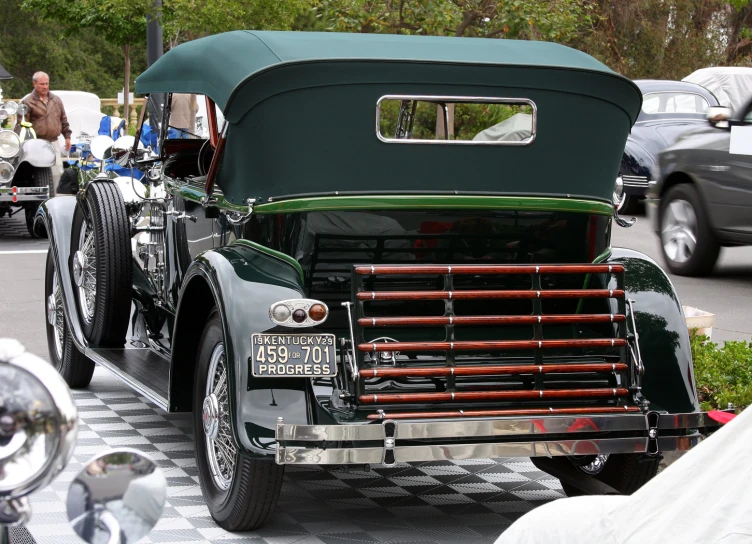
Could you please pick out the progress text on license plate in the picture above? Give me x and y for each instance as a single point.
(293, 355)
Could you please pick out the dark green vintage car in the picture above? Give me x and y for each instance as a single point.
(384, 249)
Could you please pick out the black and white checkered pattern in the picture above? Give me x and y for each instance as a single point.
(442, 501)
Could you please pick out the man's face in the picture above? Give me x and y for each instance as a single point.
(42, 86)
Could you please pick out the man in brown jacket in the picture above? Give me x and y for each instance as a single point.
(47, 116)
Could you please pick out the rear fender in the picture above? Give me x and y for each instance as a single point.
(38, 153)
(243, 281)
(669, 381)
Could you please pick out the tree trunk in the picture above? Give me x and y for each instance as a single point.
(126, 89)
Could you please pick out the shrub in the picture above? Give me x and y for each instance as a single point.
(724, 374)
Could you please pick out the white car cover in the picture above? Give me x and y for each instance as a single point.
(516, 128)
(704, 497)
(732, 85)
(83, 111)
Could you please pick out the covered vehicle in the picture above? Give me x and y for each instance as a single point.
(702, 200)
(343, 274)
(669, 109)
(731, 85)
(671, 508)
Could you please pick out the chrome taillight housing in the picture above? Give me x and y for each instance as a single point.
(298, 312)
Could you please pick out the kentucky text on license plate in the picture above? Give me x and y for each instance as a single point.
(293, 355)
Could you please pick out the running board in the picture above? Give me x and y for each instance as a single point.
(142, 369)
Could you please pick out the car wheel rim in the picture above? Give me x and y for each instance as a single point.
(679, 231)
(595, 466)
(55, 315)
(220, 445)
(84, 272)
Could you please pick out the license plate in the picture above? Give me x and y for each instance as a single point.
(293, 355)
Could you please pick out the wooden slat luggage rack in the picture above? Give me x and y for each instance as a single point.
(445, 367)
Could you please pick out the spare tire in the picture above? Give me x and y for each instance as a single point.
(100, 262)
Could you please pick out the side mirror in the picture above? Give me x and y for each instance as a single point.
(718, 116)
(117, 497)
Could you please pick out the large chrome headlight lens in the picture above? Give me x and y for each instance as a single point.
(11, 107)
(10, 144)
(37, 422)
(6, 172)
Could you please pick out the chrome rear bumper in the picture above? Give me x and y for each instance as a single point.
(472, 439)
(24, 194)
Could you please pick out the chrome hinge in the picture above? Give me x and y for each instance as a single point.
(652, 421)
(390, 433)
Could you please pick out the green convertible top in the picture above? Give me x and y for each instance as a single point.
(302, 106)
(218, 65)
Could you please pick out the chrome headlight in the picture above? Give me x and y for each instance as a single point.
(37, 422)
(6, 172)
(11, 107)
(10, 144)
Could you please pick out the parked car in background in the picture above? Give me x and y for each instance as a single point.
(702, 200)
(669, 108)
(25, 165)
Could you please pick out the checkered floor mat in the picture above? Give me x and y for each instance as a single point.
(14, 226)
(445, 502)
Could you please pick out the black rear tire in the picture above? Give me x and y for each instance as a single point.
(253, 488)
(625, 472)
(631, 205)
(103, 236)
(706, 249)
(75, 368)
(39, 178)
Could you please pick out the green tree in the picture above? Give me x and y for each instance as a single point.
(120, 23)
(553, 20)
(84, 62)
(189, 19)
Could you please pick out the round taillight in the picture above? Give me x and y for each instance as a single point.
(299, 315)
(317, 312)
(281, 313)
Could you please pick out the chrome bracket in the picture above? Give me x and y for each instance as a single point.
(351, 353)
(243, 218)
(652, 424)
(390, 432)
(626, 223)
(179, 215)
(638, 367)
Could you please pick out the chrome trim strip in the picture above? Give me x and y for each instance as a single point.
(460, 428)
(130, 381)
(457, 99)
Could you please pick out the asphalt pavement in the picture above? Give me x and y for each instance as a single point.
(727, 293)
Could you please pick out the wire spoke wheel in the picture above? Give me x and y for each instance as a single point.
(595, 465)
(220, 446)
(56, 317)
(85, 272)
